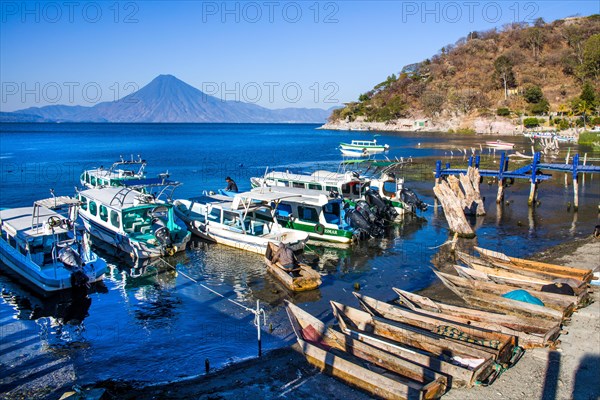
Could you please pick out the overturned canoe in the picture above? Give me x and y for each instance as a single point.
(504, 345)
(492, 301)
(507, 275)
(500, 284)
(532, 332)
(352, 360)
(476, 362)
(298, 280)
(504, 261)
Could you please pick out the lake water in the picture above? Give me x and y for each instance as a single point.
(154, 324)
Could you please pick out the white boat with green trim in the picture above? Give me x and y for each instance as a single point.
(350, 185)
(121, 173)
(369, 146)
(133, 222)
(42, 245)
(313, 212)
(246, 221)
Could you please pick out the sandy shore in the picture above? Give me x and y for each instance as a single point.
(569, 372)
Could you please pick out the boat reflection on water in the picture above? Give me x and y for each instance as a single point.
(60, 316)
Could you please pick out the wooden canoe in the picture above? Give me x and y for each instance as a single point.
(516, 274)
(491, 301)
(503, 343)
(533, 288)
(532, 332)
(382, 332)
(504, 261)
(361, 365)
(467, 278)
(299, 280)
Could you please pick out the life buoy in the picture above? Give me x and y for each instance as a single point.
(320, 229)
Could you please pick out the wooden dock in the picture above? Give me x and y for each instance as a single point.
(535, 173)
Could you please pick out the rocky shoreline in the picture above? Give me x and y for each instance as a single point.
(496, 126)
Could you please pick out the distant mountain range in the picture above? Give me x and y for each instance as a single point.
(168, 99)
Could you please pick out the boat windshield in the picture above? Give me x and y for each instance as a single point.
(332, 212)
(390, 188)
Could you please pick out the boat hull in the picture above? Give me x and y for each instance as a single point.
(47, 279)
(303, 280)
(135, 249)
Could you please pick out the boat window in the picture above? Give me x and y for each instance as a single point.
(93, 180)
(93, 208)
(331, 188)
(103, 213)
(83, 200)
(114, 219)
(356, 189)
(315, 186)
(331, 212)
(284, 210)
(346, 188)
(389, 188)
(215, 215)
(282, 183)
(308, 214)
(230, 218)
(298, 185)
(12, 242)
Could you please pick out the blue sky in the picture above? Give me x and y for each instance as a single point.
(273, 53)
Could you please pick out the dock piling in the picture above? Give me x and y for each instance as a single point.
(501, 179)
(575, 183)
(533, 180)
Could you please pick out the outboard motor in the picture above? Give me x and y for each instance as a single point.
(363, 208)
(70, 258)
(384, 210)
(161, 232)
(360, 223)
(409, 197)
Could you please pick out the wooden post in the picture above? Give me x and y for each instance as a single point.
(575, 183)
(567, 162)
(501, 181)
(453, 210)
(583, 175)
(534, 181)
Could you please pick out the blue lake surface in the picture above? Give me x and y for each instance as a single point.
(154, 324)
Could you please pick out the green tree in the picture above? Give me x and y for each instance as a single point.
(363, 97)
(591, 57)
(584, 109)
(533, 94)
(587, 93)
(504, 72)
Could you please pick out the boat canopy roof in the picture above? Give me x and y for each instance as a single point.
(326, 177)
(149, 182)
(298, 195)
(120, 197)
(55, 203)
(20, 221)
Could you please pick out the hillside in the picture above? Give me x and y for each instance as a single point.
(168, 99)
(500, 76)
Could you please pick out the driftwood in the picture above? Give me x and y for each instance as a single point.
(453, 209)
(459, 197)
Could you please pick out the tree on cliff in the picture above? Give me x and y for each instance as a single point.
(503, 67)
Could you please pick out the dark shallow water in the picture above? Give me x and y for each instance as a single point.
(154, 324)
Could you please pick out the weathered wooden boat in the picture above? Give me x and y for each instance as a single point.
(532, 332)
(300, 279)
(504, 261)
(505, 283)
(504, 345)
(361, 365)
(467, 277)
(474, 357)
(518, 277)
(492, 301)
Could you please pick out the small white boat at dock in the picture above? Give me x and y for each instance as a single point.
(43, 246)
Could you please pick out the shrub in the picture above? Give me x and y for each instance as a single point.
(465, 131)
(589, 138)
(503, 112)
(531, 122)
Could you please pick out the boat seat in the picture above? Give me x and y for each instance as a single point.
(258, 228)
